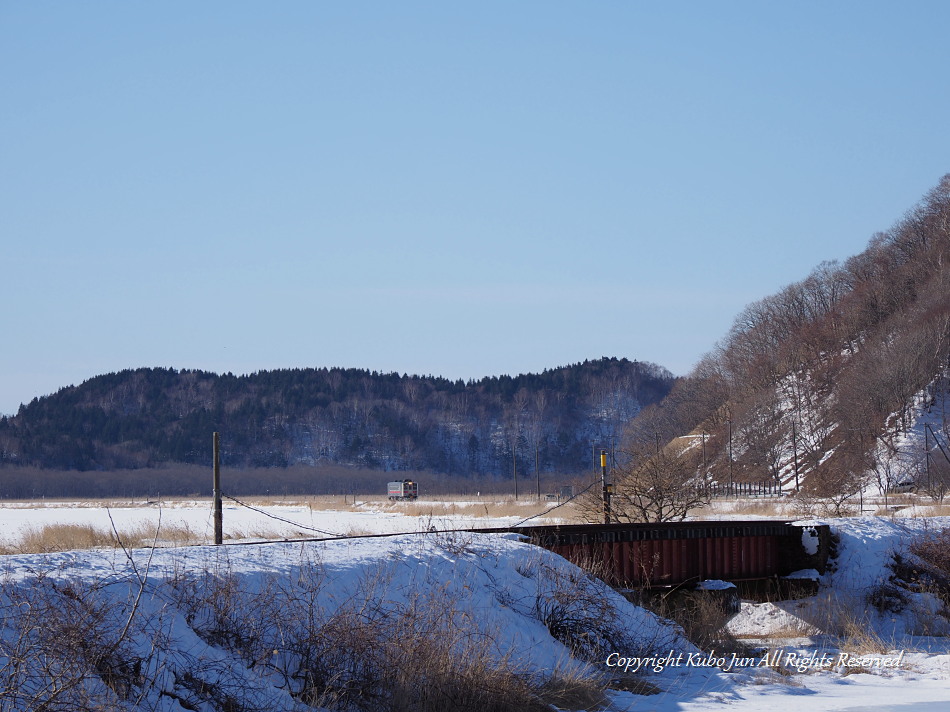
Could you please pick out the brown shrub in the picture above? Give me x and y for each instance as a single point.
(63, 537)
(703, 617)
(69, 537)
(934, 551)
(421, 656)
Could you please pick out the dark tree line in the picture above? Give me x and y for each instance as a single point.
(153, 416)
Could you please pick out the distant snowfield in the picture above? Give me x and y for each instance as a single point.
(241, 522)
(488, 564)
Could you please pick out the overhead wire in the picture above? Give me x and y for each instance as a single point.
(282, 519)
(559, 504)
(337, 535)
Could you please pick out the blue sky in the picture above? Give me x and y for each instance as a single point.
(458, 189)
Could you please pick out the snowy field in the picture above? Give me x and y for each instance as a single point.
(498, 581)
(290, 520)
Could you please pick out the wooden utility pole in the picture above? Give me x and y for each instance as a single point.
(705, 467)
(218, 514)
(731, 477)
(927, 458)
(537, 465)
(795, 453)
(603, 480)
(514, 465)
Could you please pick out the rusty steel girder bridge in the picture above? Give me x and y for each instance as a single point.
(649, 556)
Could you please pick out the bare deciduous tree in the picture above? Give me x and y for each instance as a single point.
(659, 486)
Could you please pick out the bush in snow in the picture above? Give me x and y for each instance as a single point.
(63, 648)
(926, 568)
(412, 623)
(917, 590)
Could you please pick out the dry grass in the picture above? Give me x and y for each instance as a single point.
(859, 670)
(65, 647)
(68, 537)
(857, 636)
(703, 619)
(573, 690)
(758, 508)
(357, 531)
(934, 551)
(71, 647)
(74, 537)
(439, 507)
(364, 655)
(145, 534)
(633, 683)
(921, 582)
(850, 621)
(934, 510)
(474, 510)
(62, 537)
(769, 507)
(802, 505)
(903, 499)
(261, 532)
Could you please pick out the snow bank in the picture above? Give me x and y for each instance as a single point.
(866, 546)
(512, 594)
(517, 599)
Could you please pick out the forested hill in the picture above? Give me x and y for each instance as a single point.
(152, 416)
(837, 382)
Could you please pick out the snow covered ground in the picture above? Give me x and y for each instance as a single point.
(290, 520)
(498, 581)
(499, 590)
(812, 629)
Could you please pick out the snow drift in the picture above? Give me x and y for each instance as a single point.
(298, 626)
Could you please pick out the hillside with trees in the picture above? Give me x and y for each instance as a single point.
(150, 417)
(836, 384)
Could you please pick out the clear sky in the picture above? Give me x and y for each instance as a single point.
(452, 188)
